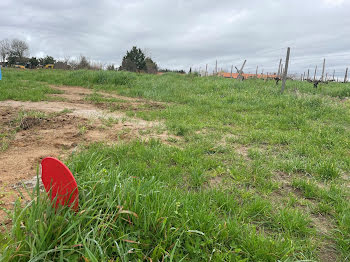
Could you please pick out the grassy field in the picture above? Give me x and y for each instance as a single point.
(254, 176)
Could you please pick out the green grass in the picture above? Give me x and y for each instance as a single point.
(159, 216)
(249, 180)
(14, 86)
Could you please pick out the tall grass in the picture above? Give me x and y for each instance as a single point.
(15, 87)
(252, 177)
(129, 213)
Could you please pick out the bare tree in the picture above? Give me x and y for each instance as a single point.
(73, 63)
(83, 63)
(66, 59)
(19, 48)
(5, 48)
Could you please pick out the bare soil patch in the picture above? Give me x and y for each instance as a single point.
(78, 94)
(68, 124)
(215, 181)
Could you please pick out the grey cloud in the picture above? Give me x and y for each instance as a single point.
(180, 34)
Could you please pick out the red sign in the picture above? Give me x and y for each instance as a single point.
(59, 183)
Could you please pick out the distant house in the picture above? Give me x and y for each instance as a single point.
(235, 75)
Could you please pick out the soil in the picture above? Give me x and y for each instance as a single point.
(69, 124)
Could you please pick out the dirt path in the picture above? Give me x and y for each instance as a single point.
(70, 123)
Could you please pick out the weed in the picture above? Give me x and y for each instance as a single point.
(110, 121)
(82, 129)
(328, 170)
(179, 214)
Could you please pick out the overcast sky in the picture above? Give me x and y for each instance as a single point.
(183, 33)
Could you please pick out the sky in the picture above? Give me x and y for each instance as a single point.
(180, 34)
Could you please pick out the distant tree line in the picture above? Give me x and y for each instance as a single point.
(172, 71)
(16, 52)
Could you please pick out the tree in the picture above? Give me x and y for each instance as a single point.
(17, 53)
(5, 48)
(19, 48)
(48, 60)
(128, 65)
(83, 63)
(111, 67)
(134, 60)
(151, 66)
(13, 60)
(34, 62)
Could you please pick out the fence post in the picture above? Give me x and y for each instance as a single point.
(285, 71)
(333, 74)
(324, 65)
(279, 68)
(241, 71)
(308, 74)
(231, 70)
(256, 73)
(206, 70)
(315, 73)
(346, 75)
(216, 67)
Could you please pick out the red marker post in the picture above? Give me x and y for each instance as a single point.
(59, 182)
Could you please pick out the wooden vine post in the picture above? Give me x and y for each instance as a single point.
(346, 75)
(285, 71)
